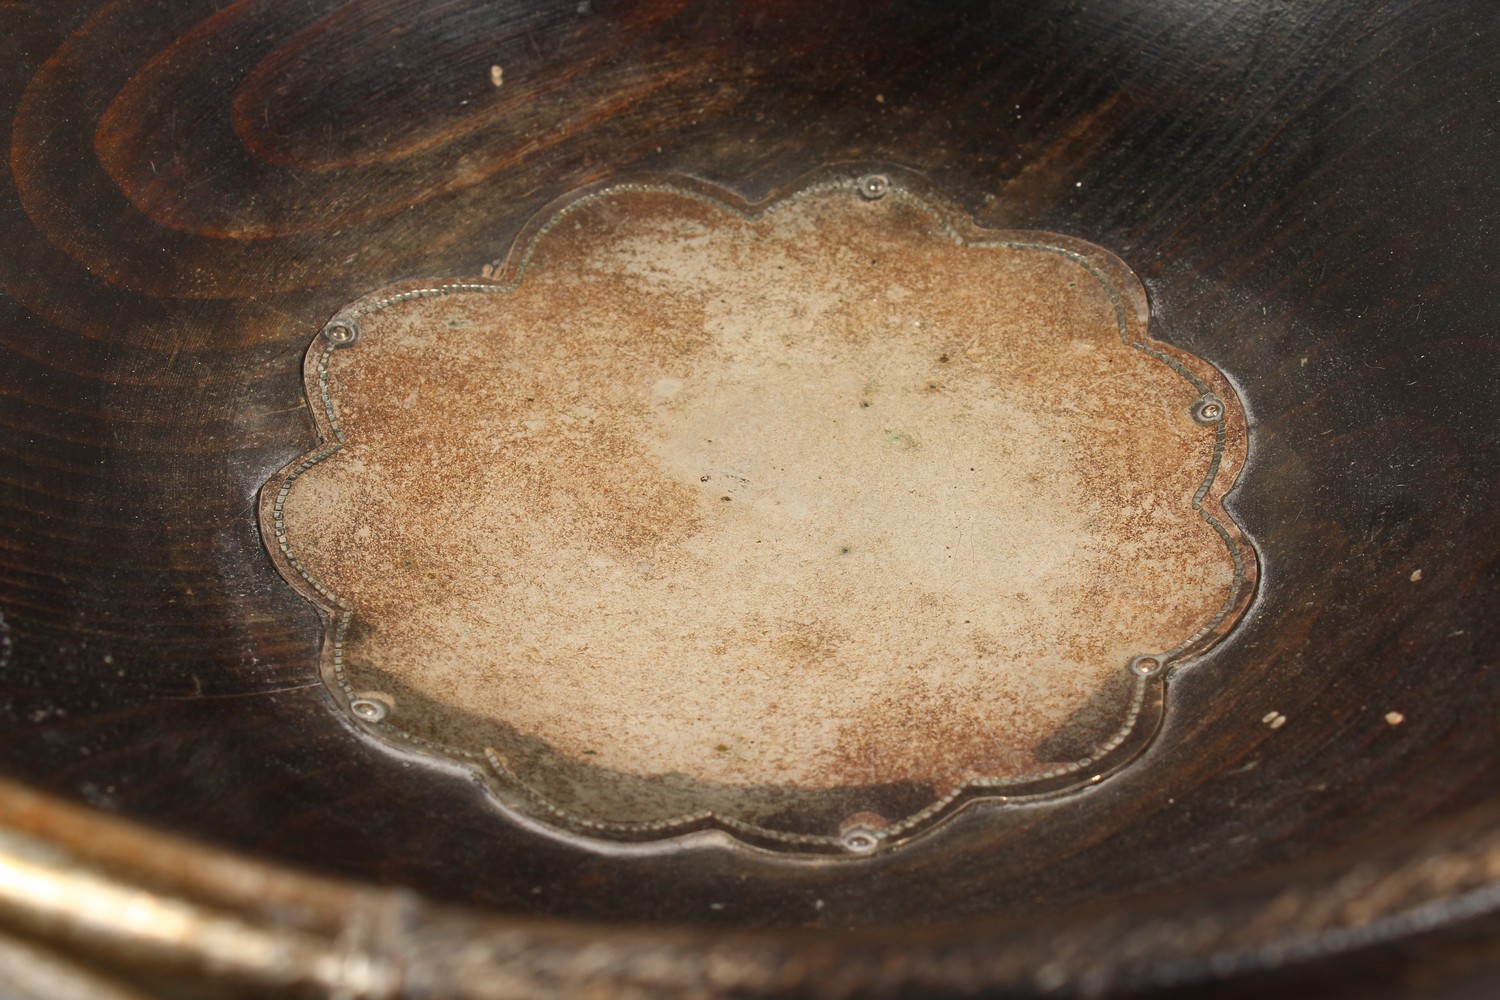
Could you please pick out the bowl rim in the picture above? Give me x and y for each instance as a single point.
(108, 891)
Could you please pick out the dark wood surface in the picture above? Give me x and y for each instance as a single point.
(1309, 192)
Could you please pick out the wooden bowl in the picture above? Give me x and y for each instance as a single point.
(1307, 196)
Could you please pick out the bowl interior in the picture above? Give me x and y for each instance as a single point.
(194, 192)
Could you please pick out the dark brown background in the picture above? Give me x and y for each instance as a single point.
(1308, 191)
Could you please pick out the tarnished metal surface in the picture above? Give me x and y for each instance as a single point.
(31, 972)
(809, 523)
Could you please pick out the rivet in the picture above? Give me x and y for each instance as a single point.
(341, 332)
(1209, 409)
(1147, 665)
(859, 840)
(874, 186)
(369, 709)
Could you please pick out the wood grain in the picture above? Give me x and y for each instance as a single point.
(1308, 192)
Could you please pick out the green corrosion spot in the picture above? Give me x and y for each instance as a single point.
(900, 438)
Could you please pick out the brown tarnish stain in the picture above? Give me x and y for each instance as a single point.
(812, 501)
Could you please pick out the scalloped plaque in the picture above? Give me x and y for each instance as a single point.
(809, 522)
